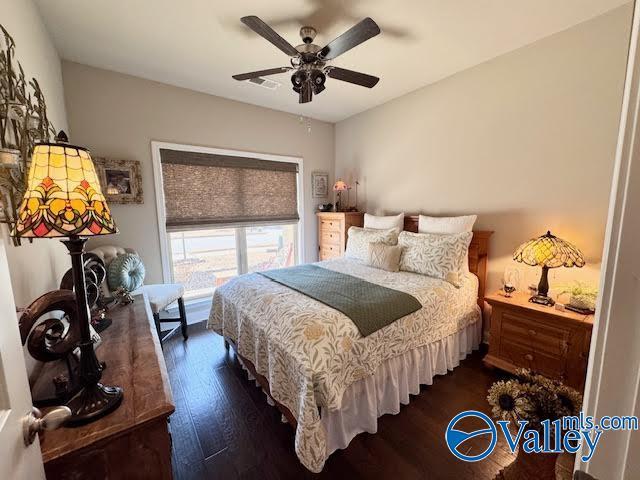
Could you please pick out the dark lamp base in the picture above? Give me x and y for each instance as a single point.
(94, 400)
(542, 300)
(92, 403)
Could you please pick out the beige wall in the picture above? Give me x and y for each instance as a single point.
(35, 267)
(117, 116)
(526, 141)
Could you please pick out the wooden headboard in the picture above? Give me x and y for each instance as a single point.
(478, 253)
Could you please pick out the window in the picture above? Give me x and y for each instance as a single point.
(223, 213)
(207, 258)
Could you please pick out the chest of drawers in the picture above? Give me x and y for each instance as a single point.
(332, 232)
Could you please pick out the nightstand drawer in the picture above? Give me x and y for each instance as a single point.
(327, 237)
(532, 358)
(327, 225)
(549, 339)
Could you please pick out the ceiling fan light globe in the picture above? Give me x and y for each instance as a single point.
(318, 78)
(299, 78)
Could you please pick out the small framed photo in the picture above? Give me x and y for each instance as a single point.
(121, 180)
(320, 184)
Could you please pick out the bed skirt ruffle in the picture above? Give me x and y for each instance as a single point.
(390, 386)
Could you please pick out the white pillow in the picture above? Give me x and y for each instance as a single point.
(446, 225)
(383, 223)
(359, 239)
(434, 255)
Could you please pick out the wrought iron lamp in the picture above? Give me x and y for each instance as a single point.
(548, 251)
(339, 187)
(63, 200)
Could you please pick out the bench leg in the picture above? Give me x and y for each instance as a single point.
(156, 319)
(183, 318)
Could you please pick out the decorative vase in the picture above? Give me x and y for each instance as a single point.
(526, 466)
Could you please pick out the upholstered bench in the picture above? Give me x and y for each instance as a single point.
(160, 296)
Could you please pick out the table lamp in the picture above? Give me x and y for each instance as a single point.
(339, 187)
(63, 200)
(548, 251)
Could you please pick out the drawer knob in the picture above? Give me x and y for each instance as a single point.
(528, 357)
(532, 332)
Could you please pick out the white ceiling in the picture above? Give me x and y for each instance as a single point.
(199, 44)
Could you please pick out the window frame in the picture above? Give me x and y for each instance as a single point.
(163, 237)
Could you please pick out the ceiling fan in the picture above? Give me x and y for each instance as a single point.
(310, 62)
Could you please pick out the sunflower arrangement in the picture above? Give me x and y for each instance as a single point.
(534, 398)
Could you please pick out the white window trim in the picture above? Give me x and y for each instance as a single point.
(159, 191)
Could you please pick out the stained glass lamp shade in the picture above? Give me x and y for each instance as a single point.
(63, 197)
(548, 251)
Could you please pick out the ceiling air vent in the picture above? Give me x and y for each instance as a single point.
(264, 83)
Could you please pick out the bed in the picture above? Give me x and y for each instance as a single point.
(330, 382)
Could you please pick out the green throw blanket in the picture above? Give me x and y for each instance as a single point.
(370, 306)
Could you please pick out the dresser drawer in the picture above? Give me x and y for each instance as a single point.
(327, 237)
(547, 338)
(327, 225)
(329, 251)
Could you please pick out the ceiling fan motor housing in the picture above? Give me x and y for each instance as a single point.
(308, 34)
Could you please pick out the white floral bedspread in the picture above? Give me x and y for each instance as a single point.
(310, 353)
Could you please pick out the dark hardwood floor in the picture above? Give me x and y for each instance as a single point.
(223, 427)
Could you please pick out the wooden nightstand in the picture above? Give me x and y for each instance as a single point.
(546, 340)
(332, 232)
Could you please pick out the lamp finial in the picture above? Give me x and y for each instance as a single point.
(61, 137)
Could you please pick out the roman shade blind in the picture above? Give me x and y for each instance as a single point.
(203, 189)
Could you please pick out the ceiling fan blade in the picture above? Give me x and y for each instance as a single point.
(305, 94)
(264, 30)
(353, 37)
(261, 73)
(350, 76)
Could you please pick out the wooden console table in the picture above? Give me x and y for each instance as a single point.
(132, 442)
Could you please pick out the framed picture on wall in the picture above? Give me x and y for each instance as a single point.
(320, 184)
(121, 180)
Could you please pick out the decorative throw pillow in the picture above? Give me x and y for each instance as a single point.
(360, 238)
(126, 271)
(385, 257)
(446, 225)
(383, 223)
(438, 256)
